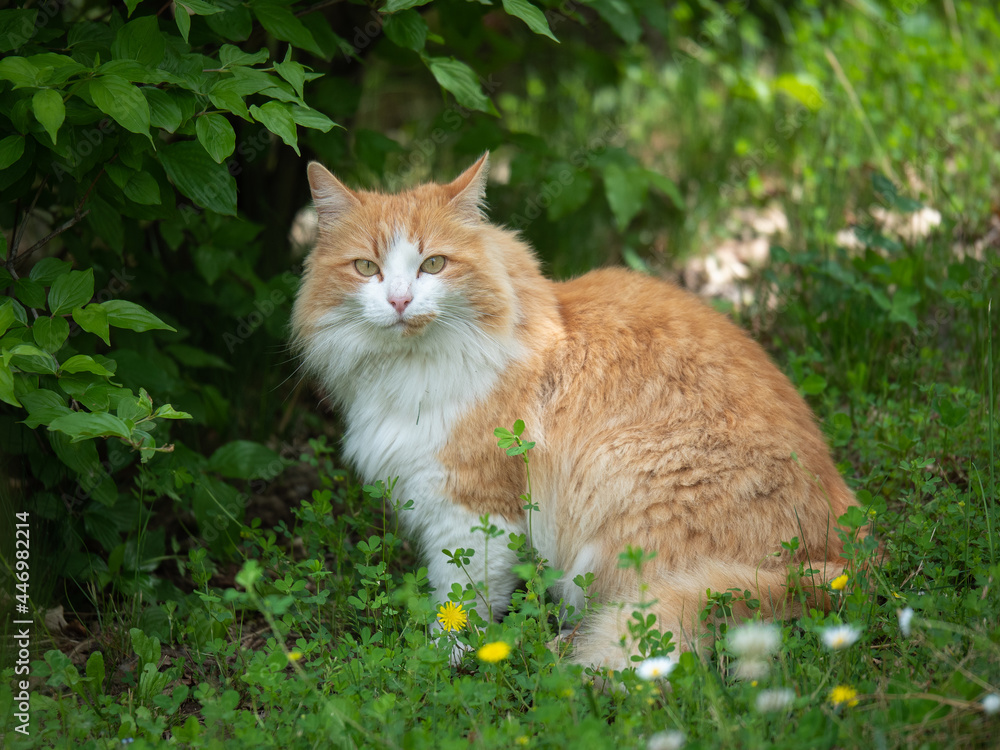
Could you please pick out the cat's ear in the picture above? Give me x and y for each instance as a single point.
(332, 198)
(468, 190)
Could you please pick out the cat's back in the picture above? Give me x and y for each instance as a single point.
(628, 325)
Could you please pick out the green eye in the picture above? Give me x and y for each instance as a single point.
(366, 267)
(433, 264)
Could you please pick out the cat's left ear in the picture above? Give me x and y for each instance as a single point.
(468, 190)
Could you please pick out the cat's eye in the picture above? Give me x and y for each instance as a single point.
(366, 267)
(433, 264)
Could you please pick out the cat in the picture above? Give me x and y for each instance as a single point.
(658, 423)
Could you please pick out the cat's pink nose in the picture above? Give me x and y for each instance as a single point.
(400, 303)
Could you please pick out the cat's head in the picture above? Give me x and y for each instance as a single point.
(397, 272)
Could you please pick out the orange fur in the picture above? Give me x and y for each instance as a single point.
(658, 422)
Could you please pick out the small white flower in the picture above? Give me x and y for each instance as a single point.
(752, 669)
(755, 640)
(905, 620)
(656, 668)
(774, 700)
(671, 739)
(841, 636)
(991, 704)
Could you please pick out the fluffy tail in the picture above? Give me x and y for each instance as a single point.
(680, 597)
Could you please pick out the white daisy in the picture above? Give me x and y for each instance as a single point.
(991, 704)
(774, 700)
(671, 739)
(841, 636)
(752, 669)
(755, 640)
(905, 620)
(656, 668)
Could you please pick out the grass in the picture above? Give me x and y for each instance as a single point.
(320, 636)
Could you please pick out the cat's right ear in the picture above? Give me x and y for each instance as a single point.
(331, 197)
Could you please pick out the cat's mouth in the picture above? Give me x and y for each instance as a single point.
(413, 325)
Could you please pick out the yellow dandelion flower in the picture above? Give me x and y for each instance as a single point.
(838, 583)
(294, 655)
(842, 694)
(452, 616)
(522, 740)
(494, 652)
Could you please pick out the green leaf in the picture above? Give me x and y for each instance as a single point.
(292, 72)
(620, 17)
(212, 261)
(199, 177)
(168, 412)
(125, 314)
(226, 95)
(49, 111)
(460, 80)
(50, 333)
(234, 22)
(43, 406)
(142, 188)
(530, 15)
(48, 270)
(30, 292)
(140, 40)
(71, 290)
(133, 408)
(93, 319)
(81, 425)
(11, 149)
(279, 20)
(7, 315)
(164, 112)
(183, 20)
(311, 118)
(200, 7)
(801, 89)
(952, 415)
(29, 358)
(567, 189)
(216, 135)
(20, 72)
(394, 6)
(902, 310)
(7, 385)
(625, 191)
(190, 356)
(230, 55)
(95, 672)
(83, 363)
(407, 29)
(813, 385)
(277, 117)
(124, 102)
(666, 186)
(132, 5)
(16, 27)
(243, 459)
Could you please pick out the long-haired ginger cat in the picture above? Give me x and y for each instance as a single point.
(658, 423)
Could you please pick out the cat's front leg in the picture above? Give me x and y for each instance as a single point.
(489, 567)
